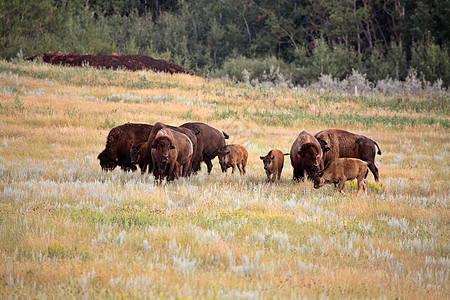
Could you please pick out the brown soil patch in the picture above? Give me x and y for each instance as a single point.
(115, 61)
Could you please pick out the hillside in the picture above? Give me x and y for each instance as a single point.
(70, 230)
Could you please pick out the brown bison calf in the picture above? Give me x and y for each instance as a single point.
(340, 143)
(232, 156)
(340, 170)
(139, 156)
(171, 154)
(273, 164)
(118, 145)
(306, 156)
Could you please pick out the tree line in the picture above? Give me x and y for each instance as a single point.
(302, 39)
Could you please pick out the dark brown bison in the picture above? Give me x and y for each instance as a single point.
(171, 154)
(340, 170)
(209, 142)
(189, 133)
(139, 156)
(306, 156)
(340, 143)
(273, 164)
(118, 144)
(232, 156)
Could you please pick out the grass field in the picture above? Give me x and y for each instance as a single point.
(69, 230)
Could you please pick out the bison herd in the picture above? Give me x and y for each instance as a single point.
(330, 156)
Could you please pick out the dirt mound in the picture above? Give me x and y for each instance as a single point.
(115, 61)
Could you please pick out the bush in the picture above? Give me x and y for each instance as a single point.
(256, 71)
(431, 60)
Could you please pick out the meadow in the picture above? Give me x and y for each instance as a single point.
(69, 230)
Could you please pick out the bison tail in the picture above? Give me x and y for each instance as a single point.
(226, 136)
(379, 151)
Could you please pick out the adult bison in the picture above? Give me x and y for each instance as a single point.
(118, 144)
(209, 142)
(337, 143)
(306, 156)
(189, 133)
(171, 153)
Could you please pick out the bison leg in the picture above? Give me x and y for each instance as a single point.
(364, 187)
(196, 165)
(241, 168)
(244, 167)
(174, 169)
(186, 168)
(374, 171)
(274, 177)
(208, 164)
(279, 174)
(340, 186)
(268, 175)
(296, 174)
(360, 185)
(156, 172)
(234, 168)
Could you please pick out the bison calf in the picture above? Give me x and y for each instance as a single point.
(139, 156)
(340, 170)
(232, 156)
(273, 164)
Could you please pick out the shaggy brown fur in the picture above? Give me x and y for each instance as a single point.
(118, 145)
(209, 141)
(189, 133)
(340, 170)
(232, 156)
(171, 153)
(273, 164)
(306, 156)
(340, 143)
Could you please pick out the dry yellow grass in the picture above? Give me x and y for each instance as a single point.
(69, 230)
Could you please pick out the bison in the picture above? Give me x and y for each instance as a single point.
(273, 164)
(118, 144)
(337, 143)
(209, 142)
(232, 156)
(306, 156)
(171, 154)
(139, 156)
(189, 133)
(339, 170)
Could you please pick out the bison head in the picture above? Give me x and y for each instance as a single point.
(223, 158)
(267, 160)
(319, 180)
(135, 153)
(324, 145)
(310, 156)
(108, 161)
(162, 147)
